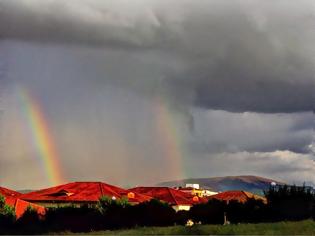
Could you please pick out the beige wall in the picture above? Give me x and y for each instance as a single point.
(181, 207)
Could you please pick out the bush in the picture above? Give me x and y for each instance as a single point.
(182, 217)
(29, 222)
(252, 211)
(153, 213)
(7, 216)
(72, 218)
(211, 212)
(115, 212)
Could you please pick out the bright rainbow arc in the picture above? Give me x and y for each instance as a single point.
(41, 136)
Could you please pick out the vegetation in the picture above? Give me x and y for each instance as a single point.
(28, 223)
(7, 215)
(290, 203)
(306, 227)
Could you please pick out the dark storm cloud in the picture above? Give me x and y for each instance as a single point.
(233, 55)
(91, 22)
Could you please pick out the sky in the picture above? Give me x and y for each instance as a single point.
(144, 91)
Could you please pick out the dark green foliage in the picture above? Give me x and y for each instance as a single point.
(252, 211)
(211, 212)
(106, 203)
(72, 218)
(114, 213)
(182, 217)
(153, 213)
(29, 222)
(290, 203)
(2, 201)
(120, 214)
(7, 216)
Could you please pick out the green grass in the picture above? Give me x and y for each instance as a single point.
(306, 227)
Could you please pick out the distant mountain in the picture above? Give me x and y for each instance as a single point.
(254, 184)
(25, 191)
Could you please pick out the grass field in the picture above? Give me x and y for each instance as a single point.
(306, 227)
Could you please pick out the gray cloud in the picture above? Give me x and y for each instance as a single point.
(220, 131)
(232, 55)
(80, 22)
(286, 166)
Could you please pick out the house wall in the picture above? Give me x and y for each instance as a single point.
(208, 193)
(181, 207)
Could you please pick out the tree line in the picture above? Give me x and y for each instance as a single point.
(283, 203)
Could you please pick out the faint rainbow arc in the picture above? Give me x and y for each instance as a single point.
(169, 136)
(41, 136)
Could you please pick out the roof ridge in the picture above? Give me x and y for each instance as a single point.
(100, 184)
(245, 193)
(169, 190)
(16, 202)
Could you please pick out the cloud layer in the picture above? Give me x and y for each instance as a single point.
(220, 131)
(231, 55)
(286, 166)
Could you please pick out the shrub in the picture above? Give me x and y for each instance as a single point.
(29, 222)
(211, 212)
(72, 218)
(7, 216)
(251, 211)
(153, 213)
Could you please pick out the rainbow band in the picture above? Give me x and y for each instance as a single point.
(169, 136)
(41, 136)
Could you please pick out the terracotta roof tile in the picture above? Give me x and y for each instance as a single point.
(8, 192)
(166, 194)
(240, 196)
(81, 192)
(20, 206)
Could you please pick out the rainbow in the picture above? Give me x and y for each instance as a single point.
(168, 134)
(40, 136)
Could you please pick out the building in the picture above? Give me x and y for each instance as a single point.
(177, 199)
(194, 186)
(20, 206)
(240, 196)
(195, 190)
(81, 193)
(9, 193)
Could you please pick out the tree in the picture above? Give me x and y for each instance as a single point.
(290, 202)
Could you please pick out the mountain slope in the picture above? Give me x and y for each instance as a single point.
(254, 184)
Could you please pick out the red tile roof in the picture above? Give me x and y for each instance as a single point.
(82, 192)
(191, 196)
(20, 206)
(8, 192)
(240, 196)
(169, 195)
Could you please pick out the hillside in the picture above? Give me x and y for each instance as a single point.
(254, 184)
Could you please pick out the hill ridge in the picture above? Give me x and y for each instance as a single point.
(250, 183)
